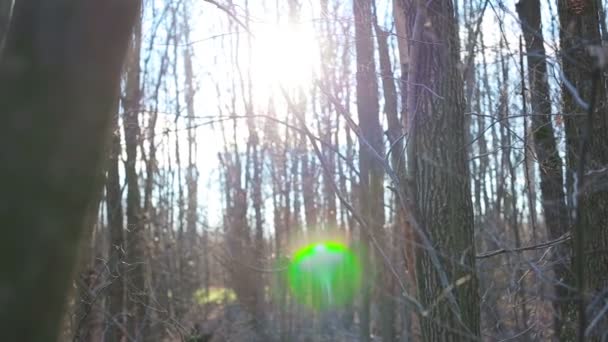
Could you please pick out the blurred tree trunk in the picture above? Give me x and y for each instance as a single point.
(192, 217)
(59, 79)
(135, 234)
(238, 239)
(580, 30)
(437, 159)
(549, 162)
(184, 242)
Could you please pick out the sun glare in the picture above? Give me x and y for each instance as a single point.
(283, 56)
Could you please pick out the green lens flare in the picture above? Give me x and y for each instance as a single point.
(324, 275)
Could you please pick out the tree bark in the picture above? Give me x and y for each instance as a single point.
(447, 282)
(579, 30)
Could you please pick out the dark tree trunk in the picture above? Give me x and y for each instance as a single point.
(580, 30)
(59, 77)
(441, 190)
(545, 144)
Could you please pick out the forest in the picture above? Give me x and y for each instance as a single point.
(303, 170)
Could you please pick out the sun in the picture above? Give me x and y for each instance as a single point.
(283, 56)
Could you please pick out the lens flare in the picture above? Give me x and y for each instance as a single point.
(324, 275)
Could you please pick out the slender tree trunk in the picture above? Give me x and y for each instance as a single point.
(192, 218)
(545, 145)
(308, 187)
(370, 144)
(396, 128)
(326, 123)
(402, 24)
(388, 292)
(135, 238)
(116, 293)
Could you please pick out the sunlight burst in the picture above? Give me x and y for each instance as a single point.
(283, 56)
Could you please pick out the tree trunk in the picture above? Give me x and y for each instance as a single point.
(370, 144)
(447, 282)
(545, 144)
(387, 290)
(59, 77)
(135, 238)
(192, 218)
(580, 29)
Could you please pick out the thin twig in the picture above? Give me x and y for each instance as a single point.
(561, 239)
(229, 12)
